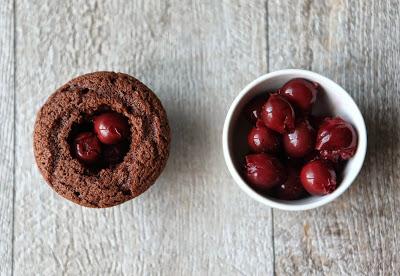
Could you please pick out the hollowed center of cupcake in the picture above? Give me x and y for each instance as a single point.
(100, 140)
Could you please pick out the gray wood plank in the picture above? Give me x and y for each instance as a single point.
(196, 56)
(356, 43)
(6, 134)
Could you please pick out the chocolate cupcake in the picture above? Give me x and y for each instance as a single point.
(101, 139)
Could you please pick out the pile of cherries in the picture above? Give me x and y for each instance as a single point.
(294, 153)
(103, 141)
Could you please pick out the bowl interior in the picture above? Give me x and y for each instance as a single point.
(332, 100)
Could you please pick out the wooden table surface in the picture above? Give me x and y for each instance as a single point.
(197, 56)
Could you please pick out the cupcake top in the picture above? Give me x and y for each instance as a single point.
(88, 165)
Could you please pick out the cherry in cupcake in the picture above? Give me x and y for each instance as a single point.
(102, 141)
(111, 127)
(87, 147)
(113, 154)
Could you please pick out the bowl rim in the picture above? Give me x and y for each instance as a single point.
(280, 204)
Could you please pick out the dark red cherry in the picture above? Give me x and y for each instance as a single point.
(318, 177)
(336, 139)
(301, 93)
(311, 156)
(299, 142)
(113, 154)
(277, 114)
(263, 171)
(262, 139)
(111, 127)
(253, 108)
(292, 188)
(317, 121)
(87, 147)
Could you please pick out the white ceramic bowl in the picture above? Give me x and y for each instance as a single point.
(332, 99)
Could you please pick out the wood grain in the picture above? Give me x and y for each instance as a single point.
(356, 43)
(196, 56)
(6, 135)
